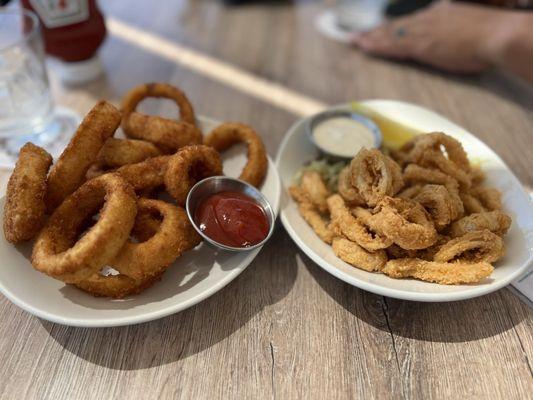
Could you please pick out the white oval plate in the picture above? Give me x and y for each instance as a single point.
(192, 278)
(296, 149)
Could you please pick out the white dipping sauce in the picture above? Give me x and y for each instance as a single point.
(343, 136)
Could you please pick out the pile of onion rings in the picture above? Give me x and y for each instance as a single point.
(423, 214)
(98, 216)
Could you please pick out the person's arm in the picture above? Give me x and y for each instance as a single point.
(459, 38)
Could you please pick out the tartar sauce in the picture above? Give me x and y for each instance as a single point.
(343, 136)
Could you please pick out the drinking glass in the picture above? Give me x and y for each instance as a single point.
(27, 112)
(359, 15)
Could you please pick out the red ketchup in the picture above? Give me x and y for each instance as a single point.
(232, 219)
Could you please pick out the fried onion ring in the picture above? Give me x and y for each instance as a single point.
(439, 272)
(24, 208)
(169, 135)
(494, 221)
(357, 256)
(146, 175)
(406, 222)
(58, 253)
(472, 247)
(375, 175)
(188, 166)
(68, 173)
(230, 133)
(311, 215)
(118, 152)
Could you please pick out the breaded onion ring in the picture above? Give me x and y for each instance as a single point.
(230, 133)
(472, 247)
(188, 166)
(115, 286)
(353, 228)
(146, 175)
(174, 236)
(24, 208)
(357, 256)
(349, 193)
(316, 190)
(374, 175)
(439, 203)
(68, 173)
(58, 253)
(406, 222)
(167, 134)
(494, 221)
(311, 215)
(118, 152)
(439, 272)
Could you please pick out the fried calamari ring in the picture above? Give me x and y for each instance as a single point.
(146, 175)
(410, 192)
(24, 208)
(68, 173)
(490, 198)
(406, 222)
(353, 228)
(311, 215)
(472, 247)
(349, 193)
(173, 237)
(167, 134)
(58, 253)
(230, 133)
(375, 175)
(188, 166)
(471, 204)
(440, 272)
(357, 256)
(435, 159)
(494, 221)
(118, 152)
(316, 190)
(438, 202)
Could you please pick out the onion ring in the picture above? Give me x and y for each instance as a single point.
(439, 272)
(406, 222)
(494, 221)
(115, 286)
(167, 134)
(357, 256)
(230, 133)
(68, 173)
(146, 175)
(118, 152)
(375, 175)
(56, 251)
(188, 166)
(24, 208)
(311, 215)
(472, 247)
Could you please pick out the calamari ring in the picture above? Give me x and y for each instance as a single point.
(494, 221)
(438, 202)
(490, 198)
(348, 192)
(410, 192)
(24, 208)
(173, 237)
(68, 173)
(167, 134)
(118, 152)
(406, 222)
(146, 175)
(230, 133)
(435, 159)
(374, 174)
(311, 215)
(471, 204)
(58, 253)
(115, 286)
(357, 256)
(472, 247)
(440, 272)
(316, 189)
(188, 166)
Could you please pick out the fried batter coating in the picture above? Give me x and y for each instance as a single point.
(374, 175)
(349, 193)
(472, 247)
(494, 221)
(68, 173)
(230, 133)
(440, 272)
(353, 228)
(313, 184)
(311, 215)
(118, 152)
(357, 256)
(146, 175)
(24, 208)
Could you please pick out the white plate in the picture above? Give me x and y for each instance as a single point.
(296, 149)
(192, 278)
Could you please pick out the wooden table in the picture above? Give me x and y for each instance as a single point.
(285, 328)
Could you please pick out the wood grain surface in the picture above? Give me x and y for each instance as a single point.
(285, 329)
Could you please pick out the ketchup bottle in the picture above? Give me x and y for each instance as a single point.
(73, 30)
